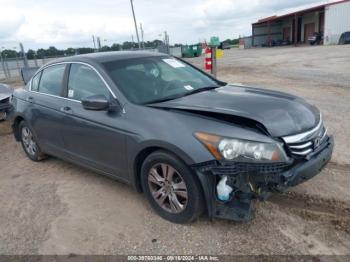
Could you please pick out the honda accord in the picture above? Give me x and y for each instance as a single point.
(189, 142)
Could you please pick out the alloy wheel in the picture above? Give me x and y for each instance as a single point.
(28, 141)
(168, 188)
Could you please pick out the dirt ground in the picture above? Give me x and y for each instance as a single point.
(53, 207)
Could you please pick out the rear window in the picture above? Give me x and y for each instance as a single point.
(51, 80)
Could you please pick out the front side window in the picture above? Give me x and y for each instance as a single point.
(150, 79)
(52, 79)
(83, 81)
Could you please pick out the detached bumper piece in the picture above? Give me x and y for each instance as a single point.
(251, 181)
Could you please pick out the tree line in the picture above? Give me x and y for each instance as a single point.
(55, 52)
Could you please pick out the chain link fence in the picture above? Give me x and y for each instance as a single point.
(10, 68)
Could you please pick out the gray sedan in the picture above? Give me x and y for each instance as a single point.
(190, 142)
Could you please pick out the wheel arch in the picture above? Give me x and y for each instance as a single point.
(200, 178)
(15, 126)
(146, 150)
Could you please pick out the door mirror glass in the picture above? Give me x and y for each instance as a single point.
(95, 102)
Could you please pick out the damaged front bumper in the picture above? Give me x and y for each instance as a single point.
(255, 181)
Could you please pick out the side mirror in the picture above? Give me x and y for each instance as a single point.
(95, 102)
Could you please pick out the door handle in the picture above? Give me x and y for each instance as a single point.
(30, 99)
(66, 109)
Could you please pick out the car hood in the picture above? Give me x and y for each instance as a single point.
(281, 114)
(5, 92)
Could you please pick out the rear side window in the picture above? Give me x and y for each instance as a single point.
(51, 80)
(83, 82)
(35, 82)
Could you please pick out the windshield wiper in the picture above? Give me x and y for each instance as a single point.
(195, 91)
(182, 95)
(168, 98)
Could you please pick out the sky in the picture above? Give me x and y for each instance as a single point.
(71, 23)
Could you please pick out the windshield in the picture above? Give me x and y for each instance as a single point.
(154, 79)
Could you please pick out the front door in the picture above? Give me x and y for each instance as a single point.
(92, 137)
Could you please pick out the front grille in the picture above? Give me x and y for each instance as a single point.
(250, 168)
(301, 149)
(301, 145)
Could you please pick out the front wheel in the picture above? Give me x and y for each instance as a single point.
(29, 143)
(171, 188)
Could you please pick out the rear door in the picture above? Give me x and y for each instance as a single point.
(92, 137)
(46, 111)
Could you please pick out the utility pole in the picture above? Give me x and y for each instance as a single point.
(98, 40)
(166, 41)
(142, 42)
(137, 31)
(93, 40)
(213, 61)
(25, 61)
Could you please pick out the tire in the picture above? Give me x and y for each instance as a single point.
(29, 143)
(184, 207)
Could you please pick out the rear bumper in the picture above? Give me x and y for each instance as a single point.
(253, 181)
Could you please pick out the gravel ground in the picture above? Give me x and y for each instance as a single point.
(53, 207)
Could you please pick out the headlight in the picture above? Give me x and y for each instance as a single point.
(242, 150)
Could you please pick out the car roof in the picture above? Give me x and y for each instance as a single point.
(102, 57)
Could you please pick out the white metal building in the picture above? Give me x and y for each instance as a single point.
(337, 21)
(331, 19)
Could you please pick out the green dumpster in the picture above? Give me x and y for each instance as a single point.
(192, 50)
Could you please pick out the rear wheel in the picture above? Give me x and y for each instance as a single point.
(29, 143)
(171, 188)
